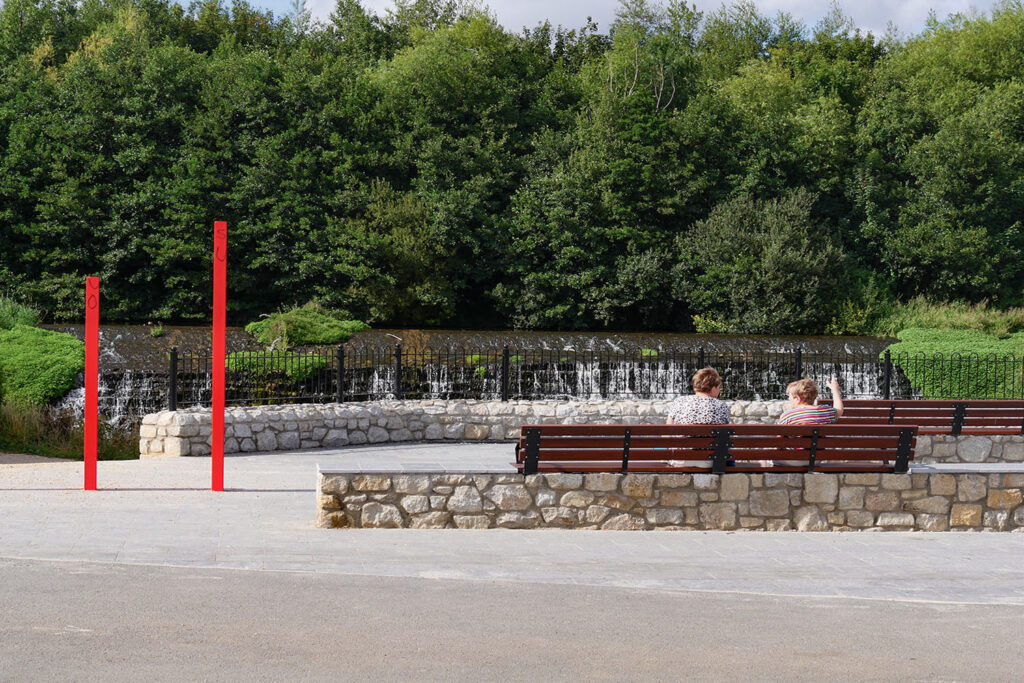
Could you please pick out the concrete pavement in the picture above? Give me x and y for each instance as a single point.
(649, 598)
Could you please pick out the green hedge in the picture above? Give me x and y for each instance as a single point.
(935, 362)
(309, 325)
(296, 366)
(37, 367)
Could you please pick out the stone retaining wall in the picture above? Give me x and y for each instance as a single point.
(291, 427)
(772, 502)
(969, 449)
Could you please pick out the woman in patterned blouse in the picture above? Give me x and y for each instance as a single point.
(704, 407)
(802, 411)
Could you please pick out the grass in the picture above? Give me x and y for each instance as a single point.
(156, 331)
(297, 367)
(957, 315)
(42, 430)
(12, 313)
(935, 362)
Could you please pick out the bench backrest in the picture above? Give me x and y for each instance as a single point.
(715, 448)
(939, 417)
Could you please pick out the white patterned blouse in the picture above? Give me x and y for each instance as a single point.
(698, 410)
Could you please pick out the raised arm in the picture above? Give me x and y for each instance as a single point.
(837, 397)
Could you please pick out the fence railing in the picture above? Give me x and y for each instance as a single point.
(359, 374)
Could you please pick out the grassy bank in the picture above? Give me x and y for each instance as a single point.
(41, 430)
(957, 315)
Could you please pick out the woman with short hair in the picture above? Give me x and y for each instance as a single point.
(703, 407)
(802, 409)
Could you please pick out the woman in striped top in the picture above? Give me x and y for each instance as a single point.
(802, 411)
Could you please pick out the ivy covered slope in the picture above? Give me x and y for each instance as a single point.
(37, 367)
(934, 361)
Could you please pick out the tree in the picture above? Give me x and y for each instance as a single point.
(760, 266)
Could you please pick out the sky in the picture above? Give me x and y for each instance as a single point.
(909, 16)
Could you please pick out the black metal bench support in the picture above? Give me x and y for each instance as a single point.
(903, 449)
(720, 457)
(959, 413)
(814, 450)
(625, 450)
(530, 461)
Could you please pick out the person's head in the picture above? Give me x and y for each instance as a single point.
(802, 391)
(707, 381)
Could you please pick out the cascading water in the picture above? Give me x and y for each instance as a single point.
(134, 378)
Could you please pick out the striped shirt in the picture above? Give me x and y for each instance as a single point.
(809, 415)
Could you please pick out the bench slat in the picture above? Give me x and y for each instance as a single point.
(674, 448)
(929, 403)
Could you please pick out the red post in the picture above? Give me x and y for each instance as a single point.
(92, 372)
(220, 263)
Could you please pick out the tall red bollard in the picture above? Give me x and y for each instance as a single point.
(92, 371)
(220, 263)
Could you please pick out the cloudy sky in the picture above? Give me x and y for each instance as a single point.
(908, 15)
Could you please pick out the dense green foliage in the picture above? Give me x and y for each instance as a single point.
(933, 360)
(295, 366)
(38, 366)
(307, 325)
(760, 267)
(13, 313)
(721, 171)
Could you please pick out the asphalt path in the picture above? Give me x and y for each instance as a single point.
(157, 578)
(106, 622)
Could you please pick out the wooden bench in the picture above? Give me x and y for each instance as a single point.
(939, 417)
(725, 448)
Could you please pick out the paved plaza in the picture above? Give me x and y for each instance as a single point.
(158, 576)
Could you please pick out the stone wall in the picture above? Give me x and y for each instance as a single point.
(968, 449)
(290, 427)
(772, 502)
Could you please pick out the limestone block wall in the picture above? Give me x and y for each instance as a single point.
(290, 427)
(968, 449)
(771, 502)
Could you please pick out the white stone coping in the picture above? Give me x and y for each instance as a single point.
(915, 468)
(967, 468)
(418, 469)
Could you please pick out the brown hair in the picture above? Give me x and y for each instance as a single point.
(806, 389)
(706, 379)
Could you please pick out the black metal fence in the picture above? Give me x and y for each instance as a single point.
(343, 374)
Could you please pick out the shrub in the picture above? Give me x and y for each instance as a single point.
(296, 366)
(308, 325)
(648, 353)
(58, 434)
(958, 315)
(37, 367)
(12, 313)
(868, 308)
(935, 362)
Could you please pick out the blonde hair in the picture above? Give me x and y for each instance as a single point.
(706, 379)
(806, 389)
